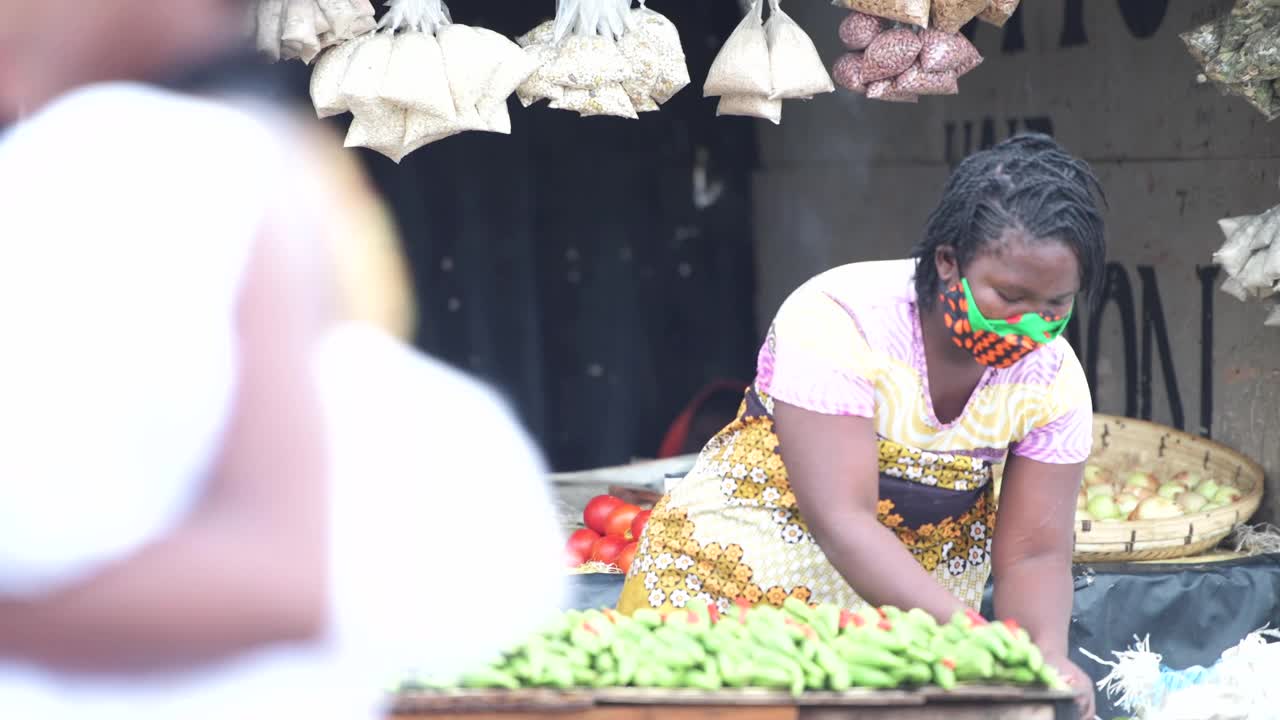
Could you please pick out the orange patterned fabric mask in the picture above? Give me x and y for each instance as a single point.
(990, 348)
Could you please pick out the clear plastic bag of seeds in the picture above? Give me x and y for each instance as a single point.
(658, 66)
(947, 52)
(742, 65)
(999, 12)
(951, 15)
(756, 106)
(847, 72)
(857, 30)
(1203, 41)
(892, 52)
(884, 90)
(796, 69)
(912, 12)
(917, 81)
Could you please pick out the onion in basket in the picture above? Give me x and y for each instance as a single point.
(1142, 479)
(1192, 502)
(1156, 508)
(1103, 507)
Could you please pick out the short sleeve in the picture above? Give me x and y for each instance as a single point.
(422, 456)
(120, 268)
(817, 358)
(1064, 433)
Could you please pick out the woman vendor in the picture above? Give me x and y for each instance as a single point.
(859, 467)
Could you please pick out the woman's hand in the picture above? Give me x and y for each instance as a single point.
(1080, 683)
(833, 466)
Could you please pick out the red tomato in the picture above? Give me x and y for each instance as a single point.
(573, 559)
(580, 542)
(637, 525)
(607, 549)
(626, 556)
(597, 512)
(619, 522)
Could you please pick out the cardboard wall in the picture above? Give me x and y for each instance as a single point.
(845, 179)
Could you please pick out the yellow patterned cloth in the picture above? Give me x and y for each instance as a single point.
(849, 343)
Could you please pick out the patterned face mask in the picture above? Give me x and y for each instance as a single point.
(996, 343)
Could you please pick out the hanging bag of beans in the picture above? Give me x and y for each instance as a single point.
(857, 30)
(847, 72)
(891, 53)
(947, 52)
(917, 81)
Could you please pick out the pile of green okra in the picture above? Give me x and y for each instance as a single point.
(797, 647)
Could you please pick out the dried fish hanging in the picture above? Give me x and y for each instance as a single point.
(1251, 258)
(763, 63)
(418, 79)
(602, 57)
(1240, 53)
(302, 29)
(897, 63)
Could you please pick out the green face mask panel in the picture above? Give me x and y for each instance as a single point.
(1039, 328)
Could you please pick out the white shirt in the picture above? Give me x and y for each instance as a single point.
(127, 215)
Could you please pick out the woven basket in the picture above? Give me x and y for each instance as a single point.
(1123, 444)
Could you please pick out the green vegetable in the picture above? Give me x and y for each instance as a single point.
(796, 648)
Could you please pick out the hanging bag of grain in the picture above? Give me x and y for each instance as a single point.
(377, 124)
(600, 57)
(347, 18)
(999, 12)
(912, 12)
(270, 27)
(742, 65)
(891, 53)
(796, 70)
(415, 77)
(857, 30)
(362, 84)
(303, 29)
(658, 66)
(951, 15)
(1243, 238)
(1273, 318)
(327, 76)
(588, 59)
(397, 75)
(756, 106)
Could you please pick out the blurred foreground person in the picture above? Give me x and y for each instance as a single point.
(219, 496)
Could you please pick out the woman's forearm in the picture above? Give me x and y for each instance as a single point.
(1037, 591)
(206, 592)
(881, 570)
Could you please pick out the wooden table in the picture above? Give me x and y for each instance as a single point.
(966, 703)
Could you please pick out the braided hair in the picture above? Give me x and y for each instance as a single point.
(1028, 183)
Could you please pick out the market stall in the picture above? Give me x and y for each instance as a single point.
(1157, 505)
(1187, 560)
